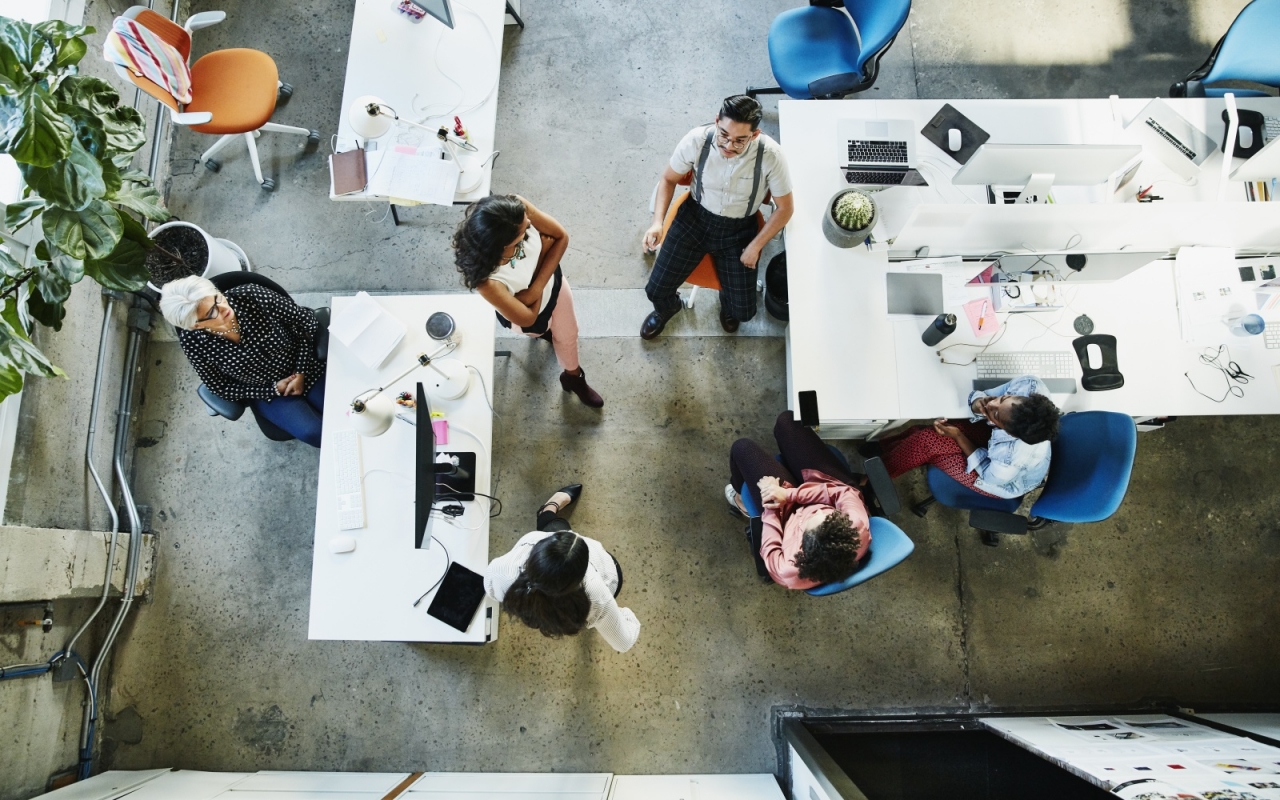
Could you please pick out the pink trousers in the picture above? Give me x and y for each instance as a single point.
(564, 330)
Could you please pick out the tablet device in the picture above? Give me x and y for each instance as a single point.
(914, 293)
(458, 597)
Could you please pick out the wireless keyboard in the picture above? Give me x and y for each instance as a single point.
(349, 488)
(1057, 368)
(1270, 128)
(1271, 335)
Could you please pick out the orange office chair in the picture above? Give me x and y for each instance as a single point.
(703, 275)
(233, 92)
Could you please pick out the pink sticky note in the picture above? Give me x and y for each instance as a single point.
(981, 310)
(441, 428)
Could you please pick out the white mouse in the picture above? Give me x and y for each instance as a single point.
(953, 139)
(342, 544)
(1246, 137)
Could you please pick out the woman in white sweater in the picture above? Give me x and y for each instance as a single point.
(559, 582)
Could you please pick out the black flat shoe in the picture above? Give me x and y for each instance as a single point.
(728, 321)
(654, 323)
(574, 490)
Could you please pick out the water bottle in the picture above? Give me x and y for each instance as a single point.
(942, 326)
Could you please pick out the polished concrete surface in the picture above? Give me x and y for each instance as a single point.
(1174, 598)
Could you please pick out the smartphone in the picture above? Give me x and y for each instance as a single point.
(809, 409)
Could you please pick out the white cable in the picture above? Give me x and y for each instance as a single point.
(484, 388)
(455, 110)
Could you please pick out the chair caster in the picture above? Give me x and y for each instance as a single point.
(268, 185)
(212, 166)
(285, 91)
(921, 509)
(1037, 523)
(990, 538)
(313, 139)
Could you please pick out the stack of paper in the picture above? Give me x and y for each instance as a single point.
(420, 175)
(1209, 286)
(367, 329)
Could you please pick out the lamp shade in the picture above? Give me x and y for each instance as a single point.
(366, 124)
(372, 416)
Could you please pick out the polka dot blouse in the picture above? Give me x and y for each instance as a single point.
(277, 339)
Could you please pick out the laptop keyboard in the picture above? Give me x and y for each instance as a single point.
(1170, 138)
(875, 177)
(877, 151)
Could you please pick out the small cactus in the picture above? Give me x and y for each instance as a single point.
(853, 211)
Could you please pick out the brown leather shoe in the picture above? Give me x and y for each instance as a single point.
(654, 323)
(728, 321)
(578, 385)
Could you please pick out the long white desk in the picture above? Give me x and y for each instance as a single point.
(428, 73)
(870, 369)
(368, 593)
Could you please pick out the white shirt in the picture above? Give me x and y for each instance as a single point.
(618, 626)
(726, 182)
(518, 273)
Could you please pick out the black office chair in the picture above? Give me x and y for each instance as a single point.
(234, 409)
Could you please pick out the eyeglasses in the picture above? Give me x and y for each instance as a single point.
(213, 311)
(723, 140)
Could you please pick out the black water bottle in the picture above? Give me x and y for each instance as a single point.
(943, 326)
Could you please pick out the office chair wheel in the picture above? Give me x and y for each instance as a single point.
(921, 509)
(212, 166)
(268, 185)
(285, 91)
(313, 138)
(1038, 523)
(990, 538)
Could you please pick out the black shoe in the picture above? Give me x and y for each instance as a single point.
(578, 385)
(574, 490)
(728, 321)
(654, 323)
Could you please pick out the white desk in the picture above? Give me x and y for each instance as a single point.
(869, 369)
(428, 73)
(368, 593)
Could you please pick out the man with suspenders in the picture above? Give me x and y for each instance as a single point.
(734, 167)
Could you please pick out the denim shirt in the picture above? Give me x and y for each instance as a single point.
(1009, 467)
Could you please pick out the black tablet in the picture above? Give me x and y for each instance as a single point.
(458, 597)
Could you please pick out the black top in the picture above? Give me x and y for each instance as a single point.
(277, 339)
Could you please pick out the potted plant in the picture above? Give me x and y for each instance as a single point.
(850, 217)
(73, 142)
(182, 249)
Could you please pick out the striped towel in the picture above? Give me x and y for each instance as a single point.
(140, 51)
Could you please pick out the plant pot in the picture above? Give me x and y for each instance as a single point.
(222, 256)
(842, 237)
(775, 288)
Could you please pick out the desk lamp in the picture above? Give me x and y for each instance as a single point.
(372, 412)
(370, 118)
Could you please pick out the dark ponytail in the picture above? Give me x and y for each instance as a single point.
(549, 595)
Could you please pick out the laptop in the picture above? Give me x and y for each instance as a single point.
(1180, 145)
(878, 152)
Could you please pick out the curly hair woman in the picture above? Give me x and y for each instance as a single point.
(509, 251)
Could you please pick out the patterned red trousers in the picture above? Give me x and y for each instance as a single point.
(923, 445)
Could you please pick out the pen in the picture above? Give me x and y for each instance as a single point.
(982, 315)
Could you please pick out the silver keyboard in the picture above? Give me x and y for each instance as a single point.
(1271, 335)
(349, 488)
(1270, 128)
(1041, 363)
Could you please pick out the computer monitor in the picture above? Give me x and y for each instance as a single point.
(1036, 167)
(440, 9)
(1096, 267)
(424, 467)
(1262, 166)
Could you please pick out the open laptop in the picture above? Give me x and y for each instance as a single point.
(1175, 141)
(878, 152)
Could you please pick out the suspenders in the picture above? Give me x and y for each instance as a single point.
(752, 204)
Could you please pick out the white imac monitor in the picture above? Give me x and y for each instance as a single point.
(440, 9)
(1262, 166)
(1098, 267)
(1036, 167)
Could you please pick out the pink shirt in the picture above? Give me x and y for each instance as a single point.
(784, 527)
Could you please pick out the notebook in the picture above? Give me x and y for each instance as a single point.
(366, 328)
(348, 172)
(458, 597)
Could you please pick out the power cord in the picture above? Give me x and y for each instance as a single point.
(448, 562)
(484, 387)
(1234, 376)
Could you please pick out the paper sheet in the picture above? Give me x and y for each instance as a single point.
(1208, 286)
(367, 329)
(417, 174)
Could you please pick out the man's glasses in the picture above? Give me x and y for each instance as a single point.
(723, 140)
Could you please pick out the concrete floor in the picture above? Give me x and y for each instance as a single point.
(1173, 598)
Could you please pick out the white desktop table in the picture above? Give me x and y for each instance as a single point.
(870, 369)
(428, 73)
(368, 593)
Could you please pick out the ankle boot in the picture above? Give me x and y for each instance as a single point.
(578, 385)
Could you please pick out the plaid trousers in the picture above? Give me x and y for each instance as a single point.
(694, 233)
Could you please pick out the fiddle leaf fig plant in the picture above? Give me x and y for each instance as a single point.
(73, 143)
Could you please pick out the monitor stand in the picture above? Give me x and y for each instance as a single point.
(1037, 189)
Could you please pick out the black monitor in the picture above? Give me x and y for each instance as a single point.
(425, 468)
(440, 9)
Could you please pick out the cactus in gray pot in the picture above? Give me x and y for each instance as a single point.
(853, 210)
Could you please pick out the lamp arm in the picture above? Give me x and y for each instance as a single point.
(423, 360)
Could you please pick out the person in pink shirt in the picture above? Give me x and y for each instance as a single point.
(816, 529)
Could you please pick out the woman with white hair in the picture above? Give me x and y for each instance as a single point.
(252, 344)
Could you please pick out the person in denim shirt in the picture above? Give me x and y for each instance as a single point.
(1006, 457)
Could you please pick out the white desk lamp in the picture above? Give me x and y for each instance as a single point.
(372, 412)
(370, 118)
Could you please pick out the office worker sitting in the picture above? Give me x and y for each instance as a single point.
(816, 530)
(559, 582)
(1007, 456)
(509, 251)
(252, 344)
(734, 165)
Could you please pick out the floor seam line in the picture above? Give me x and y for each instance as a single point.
(964, 625)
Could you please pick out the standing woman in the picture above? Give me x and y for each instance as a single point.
(559, 582)
(510, 252)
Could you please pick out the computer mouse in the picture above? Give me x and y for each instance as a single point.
(1246, 138)
(342, 544)
(953, 139)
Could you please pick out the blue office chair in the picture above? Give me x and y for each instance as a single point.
(889, 545)
(816, 52)
(1245, 53)
(234, 409)
(1088, 476)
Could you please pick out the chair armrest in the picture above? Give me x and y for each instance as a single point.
(997, 521)
(835, 86)
(322, 333)
(886, 494)
(219, 406)
(192, 117)
(204, 19)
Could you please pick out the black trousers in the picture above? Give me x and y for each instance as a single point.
(801, 449)
(694, 233)
(550, 522)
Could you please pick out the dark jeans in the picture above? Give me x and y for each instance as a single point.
(550, 522)
(801, 449)
(694, 233)
(300, 415)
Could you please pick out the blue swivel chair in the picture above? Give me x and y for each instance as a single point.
(234, 409)
(889, 545)
(1245, 53)
(1088, 476)
(817, 53)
